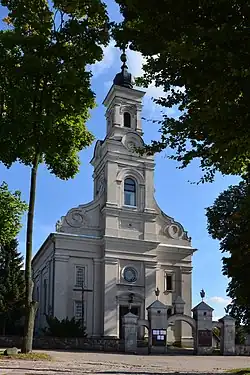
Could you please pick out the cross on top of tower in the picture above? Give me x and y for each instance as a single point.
(124, 78)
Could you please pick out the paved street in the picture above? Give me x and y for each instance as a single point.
(121, 364)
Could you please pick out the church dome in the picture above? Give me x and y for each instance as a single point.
(124, 78)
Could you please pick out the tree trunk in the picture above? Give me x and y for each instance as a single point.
(30, 305)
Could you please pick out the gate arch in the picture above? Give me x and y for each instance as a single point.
(190, 321)
(184, 318)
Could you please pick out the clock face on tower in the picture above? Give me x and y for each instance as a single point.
(130, 274)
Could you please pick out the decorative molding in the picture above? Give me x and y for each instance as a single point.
(174, 231)
(76, 218)
(61, 258)
(126, 172)
(131, 141)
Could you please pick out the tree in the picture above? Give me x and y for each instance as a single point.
(12, 209)
(12, 286)
(199, 53)
(228, 222)
(46, 96)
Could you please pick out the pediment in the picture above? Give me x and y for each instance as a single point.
(83, 219)
(169, 227)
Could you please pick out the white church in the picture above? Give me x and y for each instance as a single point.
(112, 253)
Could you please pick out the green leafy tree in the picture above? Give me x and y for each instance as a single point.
(45, 95)
(199, 53)
(228, 222)
(64, 328)
(12, 285)
(12, 209)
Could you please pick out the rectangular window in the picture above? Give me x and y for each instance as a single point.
(78, 310)
(80, 276)
(168, 282)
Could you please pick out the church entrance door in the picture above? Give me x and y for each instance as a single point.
(123, 311)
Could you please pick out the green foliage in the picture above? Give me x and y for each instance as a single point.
(228, 222)
(199, 53)
(64, 328)
(45, 95)
(12, 209)
(12, 286)
(240, 335)
(45, 87)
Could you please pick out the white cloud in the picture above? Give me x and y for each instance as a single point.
(109, 54)
(220, 300)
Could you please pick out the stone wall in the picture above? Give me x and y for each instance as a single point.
(47, 342)
(242, 350)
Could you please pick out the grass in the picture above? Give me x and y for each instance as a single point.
(27, 357)
(240, 371)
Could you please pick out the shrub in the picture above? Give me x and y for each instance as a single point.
(64, 328)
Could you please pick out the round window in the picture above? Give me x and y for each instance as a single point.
(130, 274)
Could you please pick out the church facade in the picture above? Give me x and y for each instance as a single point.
(109, 255)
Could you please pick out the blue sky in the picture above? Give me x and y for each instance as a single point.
(175, 195)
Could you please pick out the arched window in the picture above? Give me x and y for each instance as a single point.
(127, 120)
(129, 192)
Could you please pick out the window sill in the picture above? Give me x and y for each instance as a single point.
(134, 208)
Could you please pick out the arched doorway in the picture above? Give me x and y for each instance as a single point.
(178, 349)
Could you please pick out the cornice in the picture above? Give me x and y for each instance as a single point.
(173, 248)
(127, 212)
(49, 240)
(77, 237)
(125, 242)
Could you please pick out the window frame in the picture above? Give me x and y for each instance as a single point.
(83, 267)
(78, 301)
(126, 114)
(166, 276)
(130, 191)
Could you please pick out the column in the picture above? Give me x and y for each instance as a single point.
(130, 323)
(186, 294)
(98, 294)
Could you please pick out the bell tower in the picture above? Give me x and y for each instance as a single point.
(124, 104)
(122, 177)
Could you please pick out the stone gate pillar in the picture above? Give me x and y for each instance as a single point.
(228, 335)
(157, 316)
(203, 340)
(130, 324)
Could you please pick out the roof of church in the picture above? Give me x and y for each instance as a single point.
(124, 78)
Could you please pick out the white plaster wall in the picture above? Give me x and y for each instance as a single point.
(111, 318)
(150, 285)
(61, 286)
(76, 295)
(186, 278)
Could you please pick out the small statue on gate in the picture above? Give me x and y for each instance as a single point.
(157, 292)
(202, 294)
